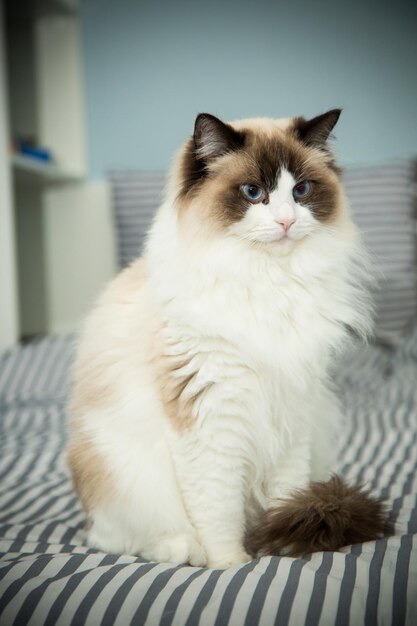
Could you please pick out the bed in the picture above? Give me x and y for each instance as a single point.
(48, 576)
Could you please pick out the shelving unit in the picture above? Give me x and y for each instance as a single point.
(46, 101)
(30, 171)
(51, 216)
(9, 329)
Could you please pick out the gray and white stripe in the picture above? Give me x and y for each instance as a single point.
(383, 202)
(48, 576)
(136, 197)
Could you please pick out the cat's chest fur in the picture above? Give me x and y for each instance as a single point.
(258, 347)
(272, 319)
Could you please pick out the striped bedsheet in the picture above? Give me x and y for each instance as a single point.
(48, 576)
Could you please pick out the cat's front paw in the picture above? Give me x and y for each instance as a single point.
(238, 558)
(177, 549)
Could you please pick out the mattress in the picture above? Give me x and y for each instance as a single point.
(48, 575)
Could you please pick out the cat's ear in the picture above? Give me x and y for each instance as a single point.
(212, 137)
(316, 131)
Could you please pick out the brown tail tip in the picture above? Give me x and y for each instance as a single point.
(324, 516)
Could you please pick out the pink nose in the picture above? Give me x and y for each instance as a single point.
(286, 223)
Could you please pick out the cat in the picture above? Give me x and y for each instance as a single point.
(202, 395)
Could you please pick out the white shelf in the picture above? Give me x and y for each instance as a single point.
(48, 204)
(32, 170)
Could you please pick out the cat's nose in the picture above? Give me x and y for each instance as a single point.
(285, 223)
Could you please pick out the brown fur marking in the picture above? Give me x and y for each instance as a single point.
(324, 516)
(89, 393)
(92, 390)
(258, 160)
(208, 130)
(179, 405)
(90, 475)
(315, 132)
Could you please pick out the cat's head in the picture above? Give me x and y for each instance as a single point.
(270, 181)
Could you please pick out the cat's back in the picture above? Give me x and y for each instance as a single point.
(118, 306)
(114, 338)
(126, 286)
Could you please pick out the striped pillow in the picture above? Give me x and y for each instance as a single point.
(136, 196)
(383, 205)
(382, 199)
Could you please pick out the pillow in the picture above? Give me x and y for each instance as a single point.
(382, 200)
(136, 195)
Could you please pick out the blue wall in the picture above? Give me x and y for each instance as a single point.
(151, 66)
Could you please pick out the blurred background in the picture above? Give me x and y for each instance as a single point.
(88, 87)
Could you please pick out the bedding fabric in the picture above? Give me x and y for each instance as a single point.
(48, 576)
(136, 195)
(383, 202)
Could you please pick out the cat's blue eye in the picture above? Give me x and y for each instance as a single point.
(301, 190)
(254, 193)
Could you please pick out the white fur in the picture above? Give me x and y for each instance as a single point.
(259, 319)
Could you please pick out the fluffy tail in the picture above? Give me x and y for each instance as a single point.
(324, 516)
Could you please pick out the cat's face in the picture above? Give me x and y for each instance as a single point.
(266, 181)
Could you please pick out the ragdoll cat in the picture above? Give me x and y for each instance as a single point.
(202, 397)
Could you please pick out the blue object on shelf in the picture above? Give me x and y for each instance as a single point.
(40, 154)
